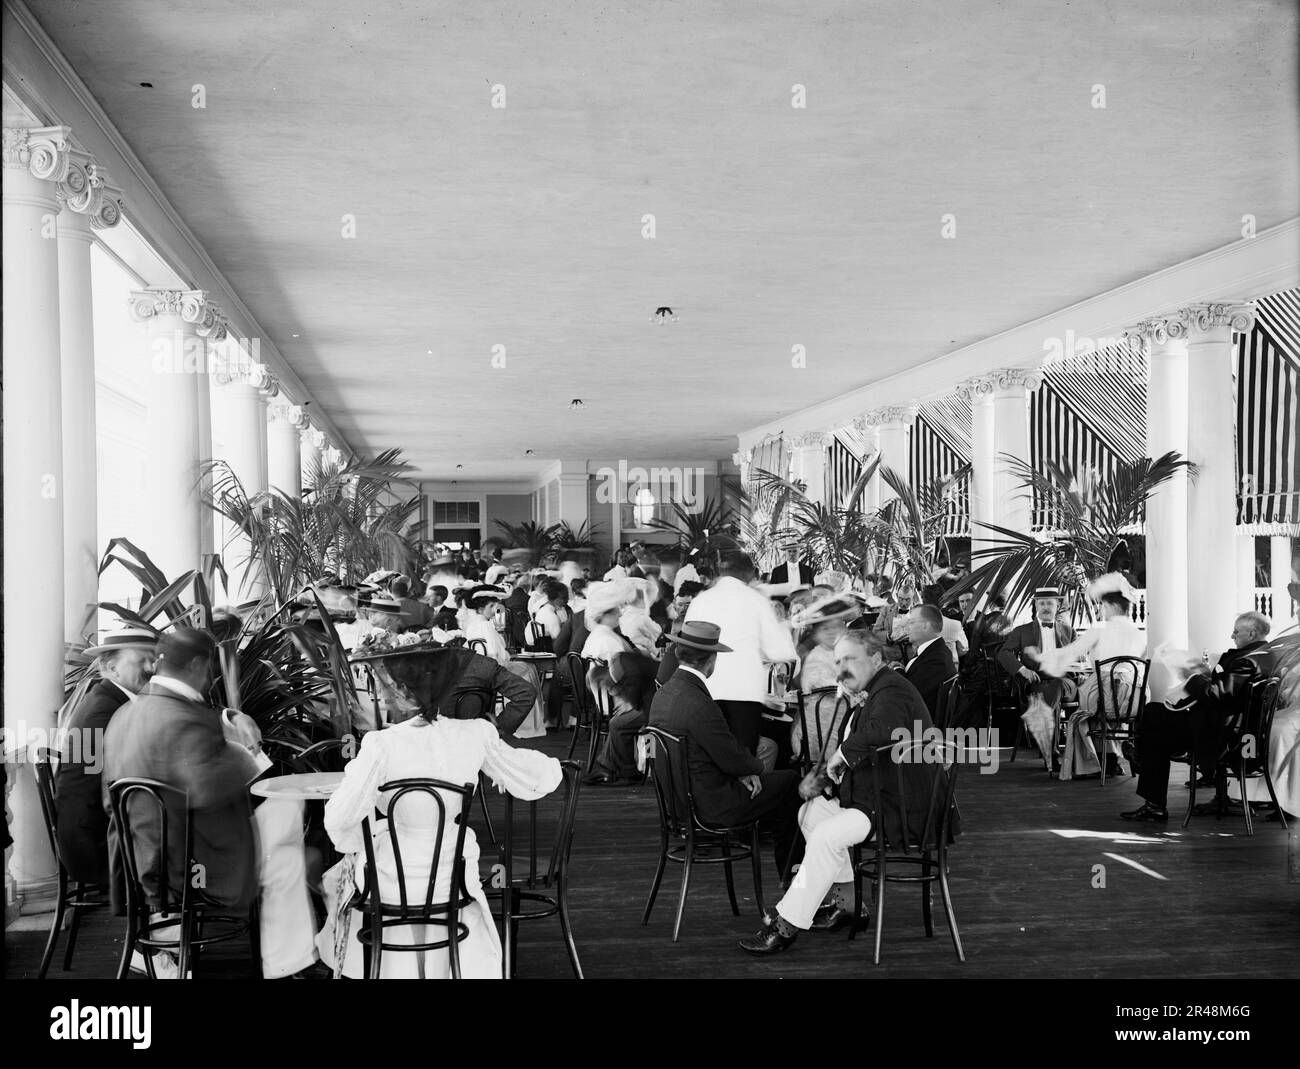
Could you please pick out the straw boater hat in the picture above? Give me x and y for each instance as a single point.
(124, 638)
(385, 604)
(700, 635)
(846, 606)
(1044, 592)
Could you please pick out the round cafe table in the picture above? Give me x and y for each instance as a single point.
(303, 786)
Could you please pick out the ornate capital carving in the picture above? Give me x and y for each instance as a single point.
(314, 437)
(976, 388)
(86, 190)
(294, 416)
(248, 373)
(887, 414)
(191, 306)
(331, 455)
(1195, 318)
(44, 152)
(809, 440)
(1017, 378)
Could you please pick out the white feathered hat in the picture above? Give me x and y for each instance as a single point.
(601, 597)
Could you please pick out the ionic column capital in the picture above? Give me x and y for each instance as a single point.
(249, 373)
(1201, 318)
(331, 455)
(190, 306)
(285, 414)
(86, 190)
(314, 437)
(1006, 379)
(44, 152)
(887, 415)
(977, 388)
(809, 440)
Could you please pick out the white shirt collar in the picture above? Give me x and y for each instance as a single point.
(119, 686)
(925, 645)
(184, 690)
(694, 672)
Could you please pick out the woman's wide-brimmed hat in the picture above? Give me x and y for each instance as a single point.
(124, 638)
(846, 606)
(700, 635)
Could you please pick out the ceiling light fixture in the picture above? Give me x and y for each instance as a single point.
(663, 314)
(296, 335)
(528, 452)
(576, 403)
(459, 466)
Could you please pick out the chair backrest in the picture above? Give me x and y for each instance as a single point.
(513, 629)
(325, 756)
(667, 766)
(1258, 725)
(134, 803)
(945, 708)
(474, 703)
(479, 646)
(946, 760)
(450, 801)
(43, 767)
(1113, 675)
(778, 676)
(284, 756)
(536, 639)
(813, 724)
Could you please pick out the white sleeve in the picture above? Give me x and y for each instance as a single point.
(525, 774)
(356, 797)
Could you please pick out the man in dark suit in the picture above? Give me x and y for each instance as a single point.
(1021, 650)
(444, 616)
(1165, 729)
(474, 672)
(729, 783)
(840, 798)
(125, 665)
(170, 733)
(791, 570)
(933, 664)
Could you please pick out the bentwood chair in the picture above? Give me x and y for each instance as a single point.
(478, 703)
(1244, 739)
(548, 890)
(686, 839)
(814, 727)
(589, 714)
(1117, 711)
(945, 708)
(451, 802)
(1259, 766)
(923, 856)
(1005, 698)
(71, 894)
(192, 920)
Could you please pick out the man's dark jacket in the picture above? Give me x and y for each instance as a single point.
(78, 785)
(928, 672)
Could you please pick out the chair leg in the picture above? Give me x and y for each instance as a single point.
(60, 907)
(128, 945)
(255, 937)
(857, 897)
(183, 947)
(927, 900)
(756, 859)
(1194, 772)
(77, 911)
(1245, 810)
(487, 815)
(659, 875)
(566, 926)
(946, 895)
(731, 876)
(377, 941)
(880, 902)
(453, 944)
(577, 730)
(686, 883)
(509, 906)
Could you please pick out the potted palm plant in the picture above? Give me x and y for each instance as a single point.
(530, 538)
(1092, 518)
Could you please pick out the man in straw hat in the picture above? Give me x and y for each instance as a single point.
(124, 661)
(730, 786)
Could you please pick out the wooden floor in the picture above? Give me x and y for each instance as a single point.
(1024, 878)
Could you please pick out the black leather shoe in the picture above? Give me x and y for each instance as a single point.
(831, 919)
(1147, 812)
(768, 941)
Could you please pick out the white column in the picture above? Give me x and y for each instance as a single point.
(1281, 572)
(808, 463)
(573, 494)
(870, 435)
(893, 423)
(244, 409)
(179, 324)
(312, 442)
(284, 447)
(1012, 504)
(1166, 523)
(89, 204)
(1244, 571)
(1212, 496)
(208, 520)
(35, 160)
(979, 392)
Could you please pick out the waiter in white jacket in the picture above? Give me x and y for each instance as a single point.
(750, 628)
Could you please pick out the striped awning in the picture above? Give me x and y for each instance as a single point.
(770, 456)
(1268, 451)
(932, 456)
(843, 466)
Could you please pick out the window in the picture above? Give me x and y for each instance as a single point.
(455, 513)
(643, 507)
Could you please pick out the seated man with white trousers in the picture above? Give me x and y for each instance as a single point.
(882, 700)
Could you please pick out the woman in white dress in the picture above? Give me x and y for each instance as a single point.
(425, 747)
(634, 618)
